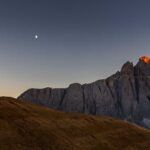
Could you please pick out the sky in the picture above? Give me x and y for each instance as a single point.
(78, 41)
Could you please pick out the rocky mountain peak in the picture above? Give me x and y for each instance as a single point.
(144, 59)
(127, 68)
(143, 66)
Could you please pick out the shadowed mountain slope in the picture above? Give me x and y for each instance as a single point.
(24, 126)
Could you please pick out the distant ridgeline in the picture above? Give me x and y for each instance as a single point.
(124, 95)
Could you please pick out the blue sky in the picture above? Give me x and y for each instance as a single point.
(79, 41)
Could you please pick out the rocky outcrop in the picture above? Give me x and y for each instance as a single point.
(124, 95)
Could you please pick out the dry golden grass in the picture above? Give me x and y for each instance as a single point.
(24, 126)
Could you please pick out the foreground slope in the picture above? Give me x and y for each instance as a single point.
(24, 126)
(125, 95)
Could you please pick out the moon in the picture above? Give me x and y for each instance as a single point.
(36, 36)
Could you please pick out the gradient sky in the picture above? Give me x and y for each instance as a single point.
(79, 41)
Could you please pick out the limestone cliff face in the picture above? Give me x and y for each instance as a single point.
(124, 95)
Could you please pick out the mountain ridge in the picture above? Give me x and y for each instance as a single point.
(123, 95)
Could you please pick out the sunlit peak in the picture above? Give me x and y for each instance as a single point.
(145, 59)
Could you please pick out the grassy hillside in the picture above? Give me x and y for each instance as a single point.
(24, 126)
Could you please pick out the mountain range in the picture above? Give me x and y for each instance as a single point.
(124, 95)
